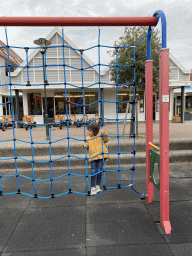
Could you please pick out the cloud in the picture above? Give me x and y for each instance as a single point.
(178, 14)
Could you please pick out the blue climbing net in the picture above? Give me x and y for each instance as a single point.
(68, 171)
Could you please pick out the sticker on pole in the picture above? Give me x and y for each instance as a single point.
(165, 98)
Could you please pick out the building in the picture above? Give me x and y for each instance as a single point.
(33, 96)
(15, 61)
(180, 87)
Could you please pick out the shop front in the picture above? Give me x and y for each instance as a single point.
(59, 104)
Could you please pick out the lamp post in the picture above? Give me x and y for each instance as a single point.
(43, 42)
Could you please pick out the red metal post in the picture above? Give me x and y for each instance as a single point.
(78, 21)
(164, 139)
(149, 126)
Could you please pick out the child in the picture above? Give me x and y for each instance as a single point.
(94, 144)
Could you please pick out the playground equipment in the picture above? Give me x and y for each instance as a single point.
(163, 96)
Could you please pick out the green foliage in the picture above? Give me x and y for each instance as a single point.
(125, 56)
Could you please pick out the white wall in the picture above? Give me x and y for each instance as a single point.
(38, 119)
(109, 108)
(3, 78)
(25, 105)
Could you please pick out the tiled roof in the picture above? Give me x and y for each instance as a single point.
(14, 57)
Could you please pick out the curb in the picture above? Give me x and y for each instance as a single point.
(174, 156)
(75, 147)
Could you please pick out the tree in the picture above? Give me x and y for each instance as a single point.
(125, 57)
(131, 36)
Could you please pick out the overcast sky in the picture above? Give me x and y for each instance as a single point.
(178, 15)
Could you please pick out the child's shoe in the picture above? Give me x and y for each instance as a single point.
(98, 189)
(93, 191)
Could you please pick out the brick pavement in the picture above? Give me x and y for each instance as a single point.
(176, 131)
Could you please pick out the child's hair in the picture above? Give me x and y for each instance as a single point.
(94, 127)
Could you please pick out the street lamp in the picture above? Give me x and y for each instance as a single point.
(43, 42)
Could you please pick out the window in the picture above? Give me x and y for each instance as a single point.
(75, 103)
(188, 102)
(60, 107)
(35, 104)
(90, 98)
(128, 96)
(123, 96)
(7, 107)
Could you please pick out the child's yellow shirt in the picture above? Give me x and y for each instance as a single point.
(94, 144)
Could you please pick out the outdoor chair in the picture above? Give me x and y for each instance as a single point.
(31, 120)
(2, 124)
(56, 119)
(9, 120)
(73, 118)
(63, 122)
(24, 120)
(86, 117)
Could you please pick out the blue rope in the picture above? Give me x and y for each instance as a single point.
(84, 127)
(32, 162)
(26, 49)
(51, 164)
(68, 137)
(117, 116)
(101, 103)
(101, 118)
(12, 114)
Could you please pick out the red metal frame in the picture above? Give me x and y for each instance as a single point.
(163, 135)
(78, 21)
(164, 139)
(149, 126)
